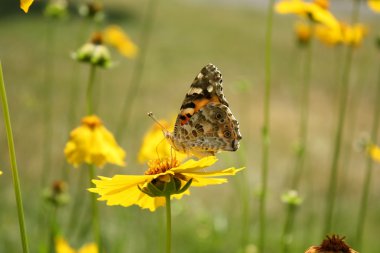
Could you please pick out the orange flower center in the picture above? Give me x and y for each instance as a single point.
(91, 121)
(161, 165)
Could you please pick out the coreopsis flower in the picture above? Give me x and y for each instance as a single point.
(94, 52)
(92, 143)
(154, 143)
(374, 152)
(61, 246)
(163, 177)
(353, 35)
(328, 36)
(303, 32)
(310, 10)
(116, 37)
(374, 5)
(25, 4)
(333, 244)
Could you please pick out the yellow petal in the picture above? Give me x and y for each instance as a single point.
(155, 143)
(208, 178)
(89, 248)
(92, 143)
(374, 5)
(116, 37)
(61, 246)
(374, 152)
(1, 173)
(193, 166)
(25, 4)
(291, 7)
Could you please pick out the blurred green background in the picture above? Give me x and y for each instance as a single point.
(186, 36)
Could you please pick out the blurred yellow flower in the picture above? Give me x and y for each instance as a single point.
(328, 36)
(25, 4)
(310, 10)
(1, 173)
(374, 5)
(303, 32)
(353, 35)
(154, 143)
(61, 246)
(116, 37)
(92, 143)
(147, 190)
(374, 152)
(346, 34)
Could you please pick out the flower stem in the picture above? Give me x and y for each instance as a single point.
(288, 228)
(95, 213)
(330, 197)
(265, 129)
(304, 116)
(90, 88)
(12, 156)
(133, 89)
(368, 173)
(168, 224)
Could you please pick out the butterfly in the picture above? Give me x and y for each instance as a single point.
(205, 124)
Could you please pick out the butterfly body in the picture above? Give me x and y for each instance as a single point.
(205, 124)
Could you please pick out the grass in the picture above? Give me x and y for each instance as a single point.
(186, 37)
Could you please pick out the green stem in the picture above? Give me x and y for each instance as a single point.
(90, 89)
(12, 156)
(168, 224)
(95, 213)
(265, 128)
(330, 197)
(368, 173)
(53, 229)
(304, 116)
(133, 89)
(288, 228)
(48, 94)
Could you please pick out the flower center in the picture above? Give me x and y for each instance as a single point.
(91, 121)
(161, 165)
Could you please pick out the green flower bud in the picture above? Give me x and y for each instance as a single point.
(291, 198)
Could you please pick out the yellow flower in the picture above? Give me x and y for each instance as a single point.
(25, 4)
(127, 190)
(328, 36)
(374, 5)
(1, 173)
(154, 143)
(353, 35)
(61, 246)
(374, 152)
(116, 37)
(92, 143)
(305, 9)
(333, 244)
(303, 33)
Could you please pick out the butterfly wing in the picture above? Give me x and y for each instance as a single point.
(212, 129)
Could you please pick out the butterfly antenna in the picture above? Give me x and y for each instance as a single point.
(151, 115)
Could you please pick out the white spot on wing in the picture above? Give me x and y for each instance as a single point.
(210, 88)
(194, 91)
